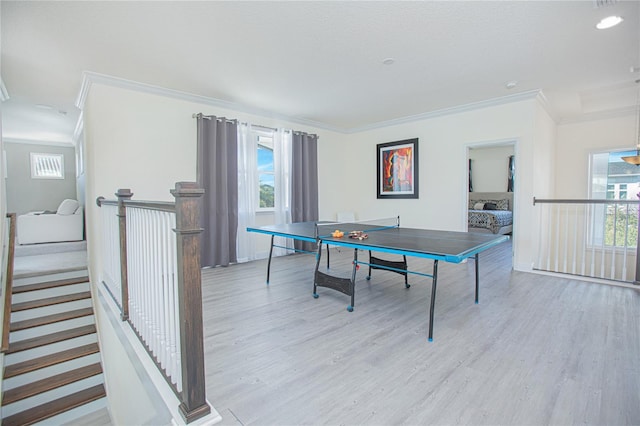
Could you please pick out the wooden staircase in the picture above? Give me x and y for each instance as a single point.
(52, 365)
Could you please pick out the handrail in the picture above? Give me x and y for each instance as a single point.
(191, 387)
(9, 287)
(166, 206)
(581, 201)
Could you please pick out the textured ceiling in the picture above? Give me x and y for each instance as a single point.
(318, 61)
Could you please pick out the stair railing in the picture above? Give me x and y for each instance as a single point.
(591, 238)
(152, 270)
(8, 289)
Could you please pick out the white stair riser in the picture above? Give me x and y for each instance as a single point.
(49, 292)
(68, 417)
(50, 349)
(34, 401)
(50, 310)
(50, 277)
(43, 330)
(43, 373)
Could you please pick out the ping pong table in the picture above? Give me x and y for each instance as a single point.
(448, 246)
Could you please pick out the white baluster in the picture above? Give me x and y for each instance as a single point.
(626, 245)
(585, 236)
(176, 313)
(549, 240)
(575, 238)
(565, 252)
(614, 246)
(604, 236)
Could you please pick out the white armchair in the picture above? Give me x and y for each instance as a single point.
(66, 224)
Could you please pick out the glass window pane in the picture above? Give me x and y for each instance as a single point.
(47, 166)
(265, 159)
(267, 184)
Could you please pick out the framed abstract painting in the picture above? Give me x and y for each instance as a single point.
(397, 169)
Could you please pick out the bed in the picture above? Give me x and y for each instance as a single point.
(491, 212)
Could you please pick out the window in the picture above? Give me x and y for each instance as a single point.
(47, 166)
(622, 191)
(613, 179)
(266, 170)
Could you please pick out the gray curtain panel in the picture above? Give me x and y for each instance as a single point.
(217, 173)
(304, 182)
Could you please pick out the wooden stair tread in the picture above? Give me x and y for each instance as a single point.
(50, 319)
(60, 336)
(32, 304)
(21, 392)
(49, 284)
(55, 407)
(49, 360)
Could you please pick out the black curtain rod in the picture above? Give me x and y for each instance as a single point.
(209, 117)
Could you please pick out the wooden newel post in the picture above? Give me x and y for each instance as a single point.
(188, 203)
(123, 195)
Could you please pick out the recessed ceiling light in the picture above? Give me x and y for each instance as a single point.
(388, 61)
(43, 106)
(608, 22)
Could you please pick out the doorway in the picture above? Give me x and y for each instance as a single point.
(492, 187)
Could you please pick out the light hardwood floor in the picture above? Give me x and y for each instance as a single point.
(536, 350)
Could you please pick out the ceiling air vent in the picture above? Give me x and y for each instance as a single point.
(602, 3)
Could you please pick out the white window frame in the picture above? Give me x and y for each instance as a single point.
(56, 163)
(268, 134)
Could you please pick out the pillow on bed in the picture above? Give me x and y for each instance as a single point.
(490, 206)
(500, 204)
(478, 206)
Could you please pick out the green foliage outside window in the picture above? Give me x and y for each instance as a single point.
(623, 221)
(266, 196)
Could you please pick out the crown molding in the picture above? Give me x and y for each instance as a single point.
(546, 106)
(37, 142)
(517, 97)
(89, 78)
(77, 132)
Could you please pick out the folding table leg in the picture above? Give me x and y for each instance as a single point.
(433, 298)
(327, 245)
(269, 263)
(477, 276)
(315, 284)
(353, 281)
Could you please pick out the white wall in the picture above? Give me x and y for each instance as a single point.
(146, 407)
(577, 140)
(538, 158)
(490, 168)
(25, 194)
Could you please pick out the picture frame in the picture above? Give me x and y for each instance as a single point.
(397, 169)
